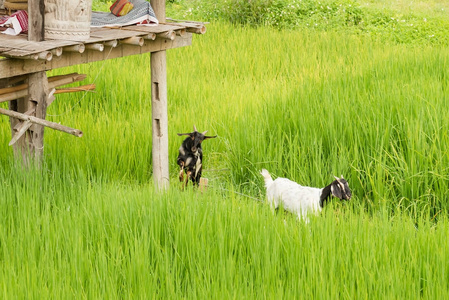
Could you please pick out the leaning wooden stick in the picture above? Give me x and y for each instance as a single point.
(42, 122)
(22, 129)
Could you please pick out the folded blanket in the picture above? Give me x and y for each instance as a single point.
(142, 13)
(15, 23)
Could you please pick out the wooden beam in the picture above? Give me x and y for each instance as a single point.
(42, 122)
(36, 11)
(13, 67)
(30, 146)
(159, 119)
(159, 108)
(159, 9)
(38, 93)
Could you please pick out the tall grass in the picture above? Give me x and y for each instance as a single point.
(308, 106)
(94, 240)
(401, 21)
(305, 105)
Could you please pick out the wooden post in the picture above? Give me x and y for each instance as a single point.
(31, 145)
(159, 108)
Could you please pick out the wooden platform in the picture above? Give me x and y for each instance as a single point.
(24, 57)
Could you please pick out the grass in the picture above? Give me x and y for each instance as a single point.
(304, 105)
(96, 240)
(400, 22)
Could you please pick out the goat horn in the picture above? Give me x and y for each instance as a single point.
(204, 132)
(336, 178)
(194, 128)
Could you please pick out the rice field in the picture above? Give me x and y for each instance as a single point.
(303, 104)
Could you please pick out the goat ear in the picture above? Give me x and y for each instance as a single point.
(210, 137)
(180, 134)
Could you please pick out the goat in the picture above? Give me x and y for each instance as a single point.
(301, 200)
(190, 158)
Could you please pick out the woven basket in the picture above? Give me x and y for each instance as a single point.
(9, 4)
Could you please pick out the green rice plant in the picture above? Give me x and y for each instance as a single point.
(305, 105)
(97, 240)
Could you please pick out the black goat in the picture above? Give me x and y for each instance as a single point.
(190, 157)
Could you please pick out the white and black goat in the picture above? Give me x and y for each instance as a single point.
(300, 199)
(190, 158)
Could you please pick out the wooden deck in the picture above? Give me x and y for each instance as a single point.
(24, 60)
(24, 57)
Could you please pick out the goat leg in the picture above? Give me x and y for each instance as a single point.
(189, 174)
(181, 172)
(181, 175)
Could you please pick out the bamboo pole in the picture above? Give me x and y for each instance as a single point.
(112, 43)
(82, 88)
(42, 122)
(80, 48)
(44, 55)
(23, 92)
(181, 32)
(57, 51)
(168, 35)
(135, 40)
(96, 47)
(50, 79)
(150, 36)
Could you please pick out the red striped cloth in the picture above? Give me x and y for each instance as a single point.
(16, 23)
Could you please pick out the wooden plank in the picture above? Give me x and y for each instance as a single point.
(102, 34)
(197, 28)
(11, 43)
(14, 67)
(153, 29)
(20, 46)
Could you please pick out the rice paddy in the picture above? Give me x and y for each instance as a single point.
(303, 104)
